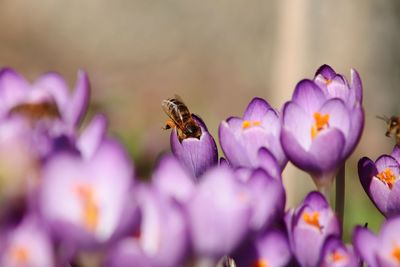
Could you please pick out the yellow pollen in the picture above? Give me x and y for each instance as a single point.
(328, 81)
(248, 124)
(20, 255)
(321, 121)
(260, 263)
(90, 207)
(312, 219)
(387, 177)
(337, 256)
(396, 254)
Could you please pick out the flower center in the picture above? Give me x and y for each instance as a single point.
(260, 263)
(337, 256)
(321, 121)
(312, 219)
(248, 124)
(396, 253)
(20, 255)
(90, 207)
(388, 177)
(328, 81)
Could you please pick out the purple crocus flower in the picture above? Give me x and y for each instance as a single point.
(320, 129)
(219, 214)
(162, 237)
(308, 227)
(87, 202)
(27, 245)
(380, 180)
(48, 96)
(242, 138)
(197, 155)
(268, 249)
(382, 249)
(336, 254)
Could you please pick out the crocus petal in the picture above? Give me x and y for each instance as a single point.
(197, 155)
(56, 86)
(13, 88)
(268, 162)
(393, 201)
(366, 244)
(339, 115)
(309, 96)
(356, 85)
(232, 149)
(92, 136)
(356, 129)
(326, 71)
(80, 99)
(219, 200)
(256, 109)
(396, 153)
(171, 179)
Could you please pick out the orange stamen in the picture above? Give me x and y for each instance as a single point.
(337, 256)
(90, 207)
(328, 81)
(396, 253)
(388, 177)
(312, 219)
(20, 255)
(248, 124)
(260, 263)
(321, 121)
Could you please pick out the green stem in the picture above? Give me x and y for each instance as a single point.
(340, 192)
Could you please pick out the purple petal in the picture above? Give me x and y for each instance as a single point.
(393, 201)
(80, 99)
(256, 110)
(13, 88)
(356, 85)
(385, 161)
(55, 85)
(366, 245)
(356, 129)
(326, 71)
(171, 179)
(197, 155)
(326, 150)
(233, 150)
(390, 234)
(396, 153)
(366, 170)
(334, 244)
(309, 96)
(92, 136)
(316, 201)
(219, 201)
(268, 162)
(339, 116)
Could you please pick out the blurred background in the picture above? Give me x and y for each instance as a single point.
(216, 55)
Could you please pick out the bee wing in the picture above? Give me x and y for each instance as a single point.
(165, 107)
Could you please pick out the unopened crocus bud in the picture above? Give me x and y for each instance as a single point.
(197, 155)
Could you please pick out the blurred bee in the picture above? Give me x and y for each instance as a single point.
(181, 118)
(393, 127)
(36, 111)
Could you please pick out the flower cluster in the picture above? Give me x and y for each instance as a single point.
(69, 196)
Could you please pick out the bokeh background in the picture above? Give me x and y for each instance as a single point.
(217, 55)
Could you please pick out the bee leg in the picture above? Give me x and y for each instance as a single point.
(168, 125)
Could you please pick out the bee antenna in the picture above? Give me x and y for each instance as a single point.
(384, 118)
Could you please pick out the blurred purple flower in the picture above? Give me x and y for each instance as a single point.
(27, 245)
(162, 237)
(336, 254)
(48, 96)
(96, 201)
(308, 227)
(320, 130)
(242, 138)
(219, 214)
(380, 250)
(380, 180)
(197, 155)
(268, 249)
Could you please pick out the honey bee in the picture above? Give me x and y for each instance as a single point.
(36, 111)
(393, 127)
(181, 118)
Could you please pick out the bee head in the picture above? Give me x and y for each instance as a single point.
(192, 130)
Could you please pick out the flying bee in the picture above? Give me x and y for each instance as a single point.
(181, 118)
(393, 127)
(36, 111)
